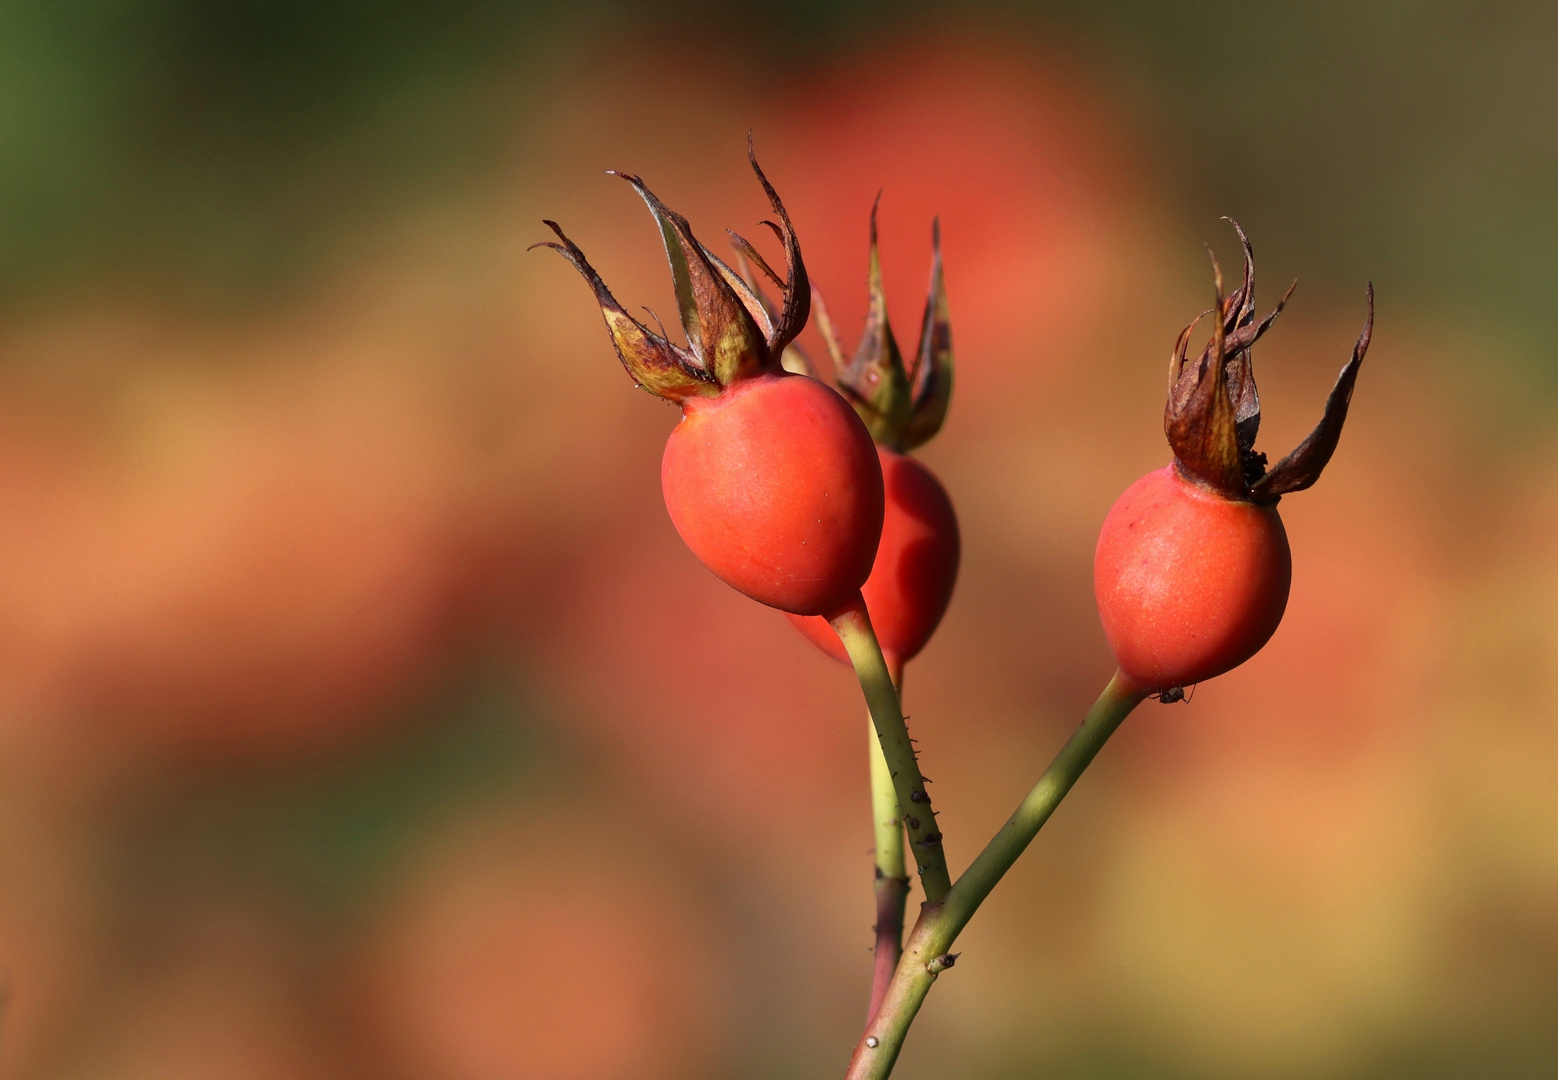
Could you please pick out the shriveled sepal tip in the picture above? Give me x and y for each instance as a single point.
(1200, 422)
(797, 286)
(930, 381)
(903, 407)
(732, 332)
(1301, 468)
(1213, 410)
(663, 369)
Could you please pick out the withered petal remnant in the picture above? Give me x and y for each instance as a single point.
(1213, 410)
(732, 333)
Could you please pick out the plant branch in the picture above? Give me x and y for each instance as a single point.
(926, 954)
(853, 626)
(892, 876)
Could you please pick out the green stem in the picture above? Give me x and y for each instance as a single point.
(853, 626)
(892, 876)
(926, 954)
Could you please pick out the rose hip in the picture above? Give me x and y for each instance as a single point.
(770, 477)
(1192, 568)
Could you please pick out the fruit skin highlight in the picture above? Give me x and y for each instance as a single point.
(770, 477)
(1189, 584)
(774, 485)
(1192, 568)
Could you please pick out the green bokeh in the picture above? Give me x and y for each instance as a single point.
(225, 147)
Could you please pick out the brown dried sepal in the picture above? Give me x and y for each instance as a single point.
(1200, 420)
(721, 332)
(901, 407)
(874, 380)
(930, 381)
(1301, 468)
(732, 334)
(1213, 410)
(664, 369)
(793, 359)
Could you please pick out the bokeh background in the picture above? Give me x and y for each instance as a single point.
(362, 716)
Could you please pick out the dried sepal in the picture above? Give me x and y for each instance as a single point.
(1239, 314)
(930, 382)
(732, 330)
(874, 379)
(793, 359)
(1177, 355)
(746, 252)
(901, 407)
(655, 364)
(830, 336)
(1241, 331)
(797, 287)
(1199, 419)
(721, 333)
(746, 291)
(1301, 468)
(1213, 412)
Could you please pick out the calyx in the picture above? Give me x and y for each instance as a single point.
(903, 407)
(732, 332)
(1213, 410)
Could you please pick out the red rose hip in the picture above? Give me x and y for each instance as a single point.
(1192, 568)
(915, 570)
(1189, 584)
(774, 486)
(770, 477)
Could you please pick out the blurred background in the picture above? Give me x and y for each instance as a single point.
(361, 714)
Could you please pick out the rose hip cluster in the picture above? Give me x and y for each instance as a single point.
(805, 498)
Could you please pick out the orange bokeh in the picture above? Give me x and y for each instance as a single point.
(242, 553)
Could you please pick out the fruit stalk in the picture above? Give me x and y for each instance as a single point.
(853, 626)
(892, 876)
(926, 953)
